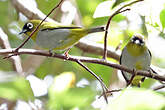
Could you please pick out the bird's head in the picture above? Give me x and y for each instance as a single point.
(138, 40)
(136, 45)
(29, 27)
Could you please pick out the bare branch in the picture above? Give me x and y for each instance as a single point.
(106, 32)
(110, 92)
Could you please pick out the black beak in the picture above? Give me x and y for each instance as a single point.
(23, 31)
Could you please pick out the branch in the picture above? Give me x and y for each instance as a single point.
(16, 61)
(109, 21)
(83, 59)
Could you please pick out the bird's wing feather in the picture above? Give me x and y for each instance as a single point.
(60, 28)
(52, 38)
(150, 53)
(124, 75)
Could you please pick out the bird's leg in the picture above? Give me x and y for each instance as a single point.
(66, 53)
(132, 77)
(50, 53)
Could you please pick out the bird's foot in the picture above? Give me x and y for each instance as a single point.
(66, 53)
(132, 77)
(50, 53)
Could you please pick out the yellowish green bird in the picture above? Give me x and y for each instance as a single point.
(135, 55)
(56, 37)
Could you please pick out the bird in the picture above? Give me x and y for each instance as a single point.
(135, 55)
(53, 36)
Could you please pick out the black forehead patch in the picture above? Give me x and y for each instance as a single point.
(25, 26)
(28, 26)
(135, 38)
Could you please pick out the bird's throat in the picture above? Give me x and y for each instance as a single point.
(135, 49)
(33, 37)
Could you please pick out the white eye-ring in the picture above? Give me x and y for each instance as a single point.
(30, 25)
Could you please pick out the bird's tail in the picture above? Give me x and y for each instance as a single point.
(97, 29)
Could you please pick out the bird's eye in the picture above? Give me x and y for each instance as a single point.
(30, 25)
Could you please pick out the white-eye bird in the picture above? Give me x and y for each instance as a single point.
(56, 37)
(135, 55)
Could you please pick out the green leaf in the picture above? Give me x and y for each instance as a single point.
(98, 70)
(74, 97)
(87, 11)
(52, 66)
(138, 99)
(117, 2)
(62, 95)
(162, 16)
(46, 5)
(118, 18)
(16, 88)
(162, 34)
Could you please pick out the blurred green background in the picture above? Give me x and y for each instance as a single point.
(54, 84)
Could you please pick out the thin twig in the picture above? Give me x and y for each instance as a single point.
(117, 90)
(98, 78)
(16, 50)
(109, 21)
(104, 94)
(159, 87)
(106, 32)
(110, 92)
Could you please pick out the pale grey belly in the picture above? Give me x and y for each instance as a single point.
(130, 61)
